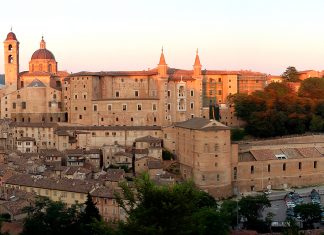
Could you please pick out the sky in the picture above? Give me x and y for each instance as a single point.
(107, 35)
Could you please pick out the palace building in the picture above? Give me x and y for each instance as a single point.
(126, 114)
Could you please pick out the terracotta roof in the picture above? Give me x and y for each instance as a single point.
(104, 192)
(36, 73)
(67, 185)
(115, 73)
(309, 152)
(36, 124)
(202, 124)
(148, 139)
(113, 128)
(43, 54)
(36, 83)
(62, 133)
(114, 175)
(73, 169)
(263, 154)
(120, 153)
(26, 139)
(15, 207)
(291, 153)
(154, 164)
(11, 36)
(50, 152)
(74, 151)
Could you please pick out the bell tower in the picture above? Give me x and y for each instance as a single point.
(11, 62)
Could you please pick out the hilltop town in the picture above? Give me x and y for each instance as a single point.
(66, 135)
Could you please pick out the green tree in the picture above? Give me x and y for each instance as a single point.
(291, 74)
(176, 209)
(316, 124)
(310, 213)
(229, 209)
(291, 227)
(251, 208)
(89, 216)
(312, 88)
(319, 110)
(48, 217)
(237, 134)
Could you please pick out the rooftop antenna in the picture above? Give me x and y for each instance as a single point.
(11, 29)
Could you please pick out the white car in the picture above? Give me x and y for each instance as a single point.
(290, 204)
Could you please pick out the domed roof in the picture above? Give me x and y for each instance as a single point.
(43, 54)
(11, 36)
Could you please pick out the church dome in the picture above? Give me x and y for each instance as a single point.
(11, 36)
(43, 54)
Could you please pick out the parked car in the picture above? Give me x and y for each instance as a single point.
(315, 197)
(290, 204)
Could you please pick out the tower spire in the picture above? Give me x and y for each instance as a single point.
(162, 66)
(197, 60)
(162, 59)
(42, 43)
(197, 65)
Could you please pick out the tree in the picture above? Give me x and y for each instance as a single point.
(89, 216)
(91, 211)
(237, 134)
(316, 124)
(251, 208)
(291, 74)
(310, 213)
(176, 209)
(49, 217)
(229, 209)
(312, 88)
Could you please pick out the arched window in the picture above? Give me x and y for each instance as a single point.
(10, 59)
(33, 68)
(40, 67)
(10, 47)
(49, 68)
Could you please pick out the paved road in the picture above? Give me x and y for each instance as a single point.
(278, 205)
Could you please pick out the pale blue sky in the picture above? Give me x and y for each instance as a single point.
(261, 35)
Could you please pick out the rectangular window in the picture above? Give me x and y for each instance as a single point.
(124, 107)
(154, 107)
(95, 108)
(80, 116)
(299, 165)
(23, 105)
(14, 105)
(109, 107)
(269, 167)
(117, 94)
(169, 106)
(192, 93)
(169, 93)
(284, 167)
(191, 105)
(315, 164)
(136, 93)
(252, 169)
(139, 107)
(219, 92)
